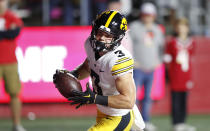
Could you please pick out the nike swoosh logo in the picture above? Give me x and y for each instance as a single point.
(87, 96)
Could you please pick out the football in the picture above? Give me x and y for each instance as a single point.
(66, 83)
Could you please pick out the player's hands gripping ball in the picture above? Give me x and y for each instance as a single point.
(82, 98)
(66, 83)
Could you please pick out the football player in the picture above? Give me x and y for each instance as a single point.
(111, 68)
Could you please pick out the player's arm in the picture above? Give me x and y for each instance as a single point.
(124, 84)
(82, 71)
(125, 100)
(126, 87)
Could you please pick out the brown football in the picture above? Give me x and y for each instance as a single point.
(66, 83)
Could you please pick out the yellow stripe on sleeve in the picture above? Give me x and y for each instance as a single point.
(122, 65)
(110, 19)
(124, 58)
(122, 71)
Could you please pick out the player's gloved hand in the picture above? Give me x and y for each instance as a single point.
(82, 98)
(55, 76)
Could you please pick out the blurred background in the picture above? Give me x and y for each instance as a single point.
(82, 12)
(52, 38)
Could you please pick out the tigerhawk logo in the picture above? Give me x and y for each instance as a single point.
(123, 25)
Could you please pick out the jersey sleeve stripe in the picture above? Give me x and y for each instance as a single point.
(124, 58)
(122, 69)
(123, 61)
(122, 65)
(131, 67)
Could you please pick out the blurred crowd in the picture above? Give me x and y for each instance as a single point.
(82, 12)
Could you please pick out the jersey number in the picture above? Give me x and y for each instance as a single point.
(119, 53)
(96, 79)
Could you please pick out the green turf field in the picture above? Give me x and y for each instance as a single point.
(202, 122)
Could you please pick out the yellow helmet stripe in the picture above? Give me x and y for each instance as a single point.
(110, 19)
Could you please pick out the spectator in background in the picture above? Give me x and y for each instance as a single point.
(67, 10)
(10, 27)
(148, 42)
(124, 6)
(98, 6)
(170, 22)
(114, 5)
(179, 53)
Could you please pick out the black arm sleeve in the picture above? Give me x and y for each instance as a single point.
(9, 34)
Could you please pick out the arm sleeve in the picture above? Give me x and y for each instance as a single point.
(161, 45)
(10, 34)
(192, 48)
(168, 48)
(168, 56)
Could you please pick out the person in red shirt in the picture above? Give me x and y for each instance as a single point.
(10, 26)
(179, 52)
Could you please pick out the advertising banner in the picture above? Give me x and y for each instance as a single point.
(42, 50)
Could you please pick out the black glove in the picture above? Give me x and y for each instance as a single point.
(82, 98)
(55, 76)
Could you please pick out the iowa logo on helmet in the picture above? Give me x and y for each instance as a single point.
(123, 25)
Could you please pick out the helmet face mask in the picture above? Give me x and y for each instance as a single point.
(111, 23)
